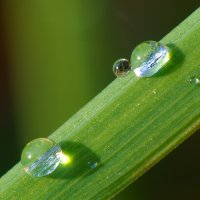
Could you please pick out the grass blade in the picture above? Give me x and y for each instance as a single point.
(126, 129)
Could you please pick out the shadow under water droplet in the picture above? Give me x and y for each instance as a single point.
(176, 59)
(77, 160)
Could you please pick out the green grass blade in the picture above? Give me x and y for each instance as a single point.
(127, 128)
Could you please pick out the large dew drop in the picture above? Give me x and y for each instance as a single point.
(148, 58)
(41, 157)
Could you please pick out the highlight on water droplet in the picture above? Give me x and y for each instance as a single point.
(92, 164)
(194, 80)
(41, 157)
(121, 67)
(149, 57)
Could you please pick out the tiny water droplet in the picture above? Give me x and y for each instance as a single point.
(92, 164)
(121, 67)
(194, 80)
(154, 91)
(41, 157)
(148, 58)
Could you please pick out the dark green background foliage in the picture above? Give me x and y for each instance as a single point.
(57, 55)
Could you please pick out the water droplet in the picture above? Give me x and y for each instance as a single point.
(194, 80)
(148, 58)
(154, 91)
(92, 164)
(41, 157)
(121, 67)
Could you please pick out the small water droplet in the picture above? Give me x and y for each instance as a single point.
(41, 157)
(194, 80)
(92, 164)
(121, 67)
(148, 58)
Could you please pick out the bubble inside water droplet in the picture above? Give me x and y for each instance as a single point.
(149, 57)
(92, 164)
(194, 80)
(41, 157)
(121, 67)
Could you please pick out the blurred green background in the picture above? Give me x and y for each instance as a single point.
(55, 56)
